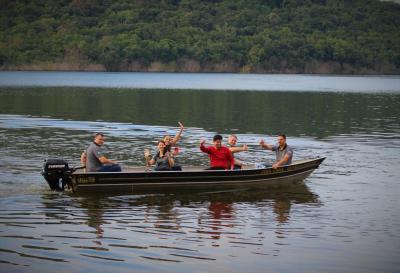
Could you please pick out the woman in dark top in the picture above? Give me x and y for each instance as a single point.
(169, 143)
(162, 159)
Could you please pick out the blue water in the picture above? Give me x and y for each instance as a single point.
(205, 81)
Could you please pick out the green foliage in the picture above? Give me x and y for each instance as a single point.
(259, 35)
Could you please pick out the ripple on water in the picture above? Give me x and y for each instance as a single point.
(347, 209)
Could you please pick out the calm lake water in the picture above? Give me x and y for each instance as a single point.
(344, 218)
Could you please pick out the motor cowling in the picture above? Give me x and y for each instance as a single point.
(57, 173)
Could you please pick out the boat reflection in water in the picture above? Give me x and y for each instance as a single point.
(205, 212)
(110, 233)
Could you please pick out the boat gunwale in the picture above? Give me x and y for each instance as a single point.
(215, 182)
(217, 175)
(317, 161)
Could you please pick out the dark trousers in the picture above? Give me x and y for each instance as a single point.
(110, 168)
(173, 168)
(216, 168)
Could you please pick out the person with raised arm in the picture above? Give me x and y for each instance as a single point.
(171, 142)
(284, 153)
(162, 159)
(220, 156)
(232, 140)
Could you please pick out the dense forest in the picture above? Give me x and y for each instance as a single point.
(250, 36)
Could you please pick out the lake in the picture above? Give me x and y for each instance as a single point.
(343, 218)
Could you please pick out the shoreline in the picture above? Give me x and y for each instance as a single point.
(317, 68)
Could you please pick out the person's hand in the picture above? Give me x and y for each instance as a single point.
(146, 153)
(112, 161)
(275, 166)
(202, 141)
(181, 125)
(262, 142)
(176, 151)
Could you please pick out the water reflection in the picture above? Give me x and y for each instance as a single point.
(354, 216)
(95, 210)
(166, 213)
(177, 227)
(296, 113)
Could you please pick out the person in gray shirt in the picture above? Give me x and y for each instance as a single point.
(284, 152)
(94, 158)
(163, 159)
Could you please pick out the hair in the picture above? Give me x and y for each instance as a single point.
(217, 137)
(162, 141)
(234, 136)
(98, 134)
(282, 135)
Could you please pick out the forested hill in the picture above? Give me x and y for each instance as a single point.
(261, 36)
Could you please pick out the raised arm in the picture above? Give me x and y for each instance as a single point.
(178, 135)
(238, 149)
(203, 148)
(265, 145)
(147, 156)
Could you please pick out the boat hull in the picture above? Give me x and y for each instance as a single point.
(193, 179)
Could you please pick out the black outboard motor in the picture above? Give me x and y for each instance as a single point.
(57, 173)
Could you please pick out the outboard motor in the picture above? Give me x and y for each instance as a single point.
(57, 173)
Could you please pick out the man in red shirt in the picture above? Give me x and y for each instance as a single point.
(220, 156)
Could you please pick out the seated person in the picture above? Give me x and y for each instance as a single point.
(95, 158)
(163, 159)
(220, 156)
(169, 141)
(284, 153)
(232, 140)
(83, 160)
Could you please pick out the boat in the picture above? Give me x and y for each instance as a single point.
(60, 177)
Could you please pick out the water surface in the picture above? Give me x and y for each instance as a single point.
(343, 218)
(204, 81)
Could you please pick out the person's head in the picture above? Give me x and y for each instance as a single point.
(161, 145)
(281, 140)
(232, 139)
(217, 139)
(167, 139)
(99, 139)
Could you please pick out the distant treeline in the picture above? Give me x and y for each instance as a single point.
(273, 36)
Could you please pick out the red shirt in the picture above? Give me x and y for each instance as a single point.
(221, 157)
